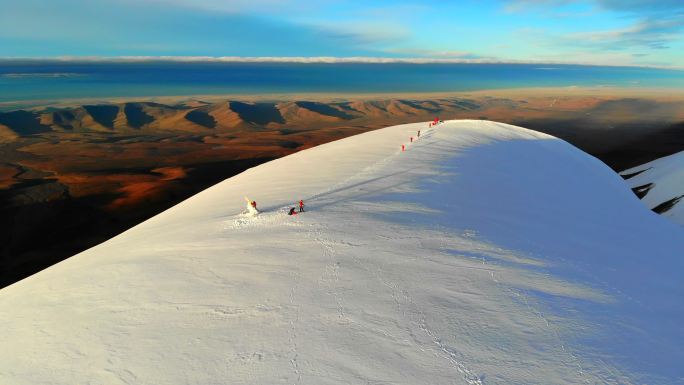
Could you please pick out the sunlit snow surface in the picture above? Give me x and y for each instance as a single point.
(484, 254)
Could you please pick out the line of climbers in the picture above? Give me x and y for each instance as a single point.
(252, 205)
(431, 124)
(435, 122)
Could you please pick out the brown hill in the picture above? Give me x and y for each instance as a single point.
(219, 117)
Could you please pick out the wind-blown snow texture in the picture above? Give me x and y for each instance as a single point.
(665, 180)
(484, 254)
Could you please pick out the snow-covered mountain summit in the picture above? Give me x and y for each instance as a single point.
(660, 185)
(483, 254)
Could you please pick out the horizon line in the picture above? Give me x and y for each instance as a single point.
(321, 60)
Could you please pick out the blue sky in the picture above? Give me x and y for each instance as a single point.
(614, 32)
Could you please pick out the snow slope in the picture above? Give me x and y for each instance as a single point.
(662, 182)
(484, 254)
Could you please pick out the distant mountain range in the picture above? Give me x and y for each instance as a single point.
(623, 132)
(200, 117)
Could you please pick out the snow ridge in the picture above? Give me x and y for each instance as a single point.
(477, 256)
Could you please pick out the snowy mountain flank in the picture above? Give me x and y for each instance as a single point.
(660, 185)
(483, 254)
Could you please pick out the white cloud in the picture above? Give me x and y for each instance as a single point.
(267, 7)
(601, 60)
(649, 33)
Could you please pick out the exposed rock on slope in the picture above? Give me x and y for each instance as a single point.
(660, 185)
